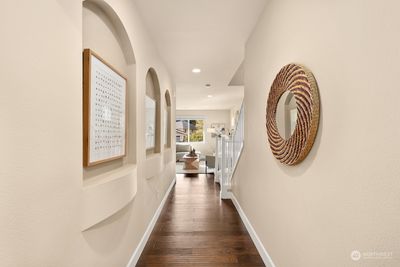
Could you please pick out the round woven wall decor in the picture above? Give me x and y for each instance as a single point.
(300, 81)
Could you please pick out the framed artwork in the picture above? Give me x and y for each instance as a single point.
(217, 128)
(104, 111)
(165, 133)
(150, 122)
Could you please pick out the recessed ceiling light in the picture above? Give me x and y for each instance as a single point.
(196, 70)
(209, 96)
(208, 85)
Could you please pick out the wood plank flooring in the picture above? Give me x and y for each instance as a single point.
(197, 229)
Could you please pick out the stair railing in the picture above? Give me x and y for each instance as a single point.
(228, 151)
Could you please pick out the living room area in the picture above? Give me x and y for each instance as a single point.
(197, 131)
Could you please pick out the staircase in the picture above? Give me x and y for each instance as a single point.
(228, 151)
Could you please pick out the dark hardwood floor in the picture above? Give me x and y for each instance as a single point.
(197, 229)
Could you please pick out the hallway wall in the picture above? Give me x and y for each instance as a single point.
(41, 173)
(345, 195)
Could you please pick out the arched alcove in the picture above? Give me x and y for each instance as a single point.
(108, 16)
(108, 187)
(153, 113)
(167, 120)
(104, 33)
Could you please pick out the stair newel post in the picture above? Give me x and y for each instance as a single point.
(223, 182)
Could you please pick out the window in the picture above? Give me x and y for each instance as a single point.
(189, 130)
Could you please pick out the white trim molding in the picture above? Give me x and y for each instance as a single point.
(257, 242)
(139, 249)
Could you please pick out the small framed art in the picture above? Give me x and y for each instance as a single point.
(104, 111)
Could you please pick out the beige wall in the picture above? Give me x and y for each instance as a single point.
(41, 174)
(345, 195)
(210, 116)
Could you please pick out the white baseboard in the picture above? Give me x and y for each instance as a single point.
(257, 242)
(139, 249)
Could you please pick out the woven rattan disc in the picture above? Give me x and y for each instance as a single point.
(300, 81)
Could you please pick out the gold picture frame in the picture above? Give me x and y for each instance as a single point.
(104, 111)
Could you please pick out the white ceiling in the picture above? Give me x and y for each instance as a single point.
(205, 34)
